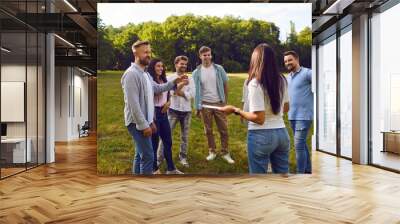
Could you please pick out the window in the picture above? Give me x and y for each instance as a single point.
(22, 87)
(346, 92)
(327, 95)
(385, 89)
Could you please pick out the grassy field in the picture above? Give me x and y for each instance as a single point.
(115, 147)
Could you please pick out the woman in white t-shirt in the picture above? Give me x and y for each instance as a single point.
(267, 139)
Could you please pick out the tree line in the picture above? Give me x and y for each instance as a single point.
(232, 40)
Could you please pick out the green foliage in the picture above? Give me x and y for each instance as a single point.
(233, 66)
(232, 40)
(105, 47)
(301, 43)
(305, 37)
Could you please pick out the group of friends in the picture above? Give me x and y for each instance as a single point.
(156, 103)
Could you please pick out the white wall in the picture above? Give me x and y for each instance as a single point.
(71, 94)
(80, 83)
(61, 103)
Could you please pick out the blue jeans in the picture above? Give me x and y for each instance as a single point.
(143, 161)
(163, 132)
(266, 145)
(300, 130)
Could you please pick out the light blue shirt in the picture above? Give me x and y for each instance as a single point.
(301, 98)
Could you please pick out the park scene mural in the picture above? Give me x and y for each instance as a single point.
(231, 38)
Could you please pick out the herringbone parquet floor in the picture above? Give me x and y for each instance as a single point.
(70, 191)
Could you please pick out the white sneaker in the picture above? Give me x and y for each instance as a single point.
(175, 171)
(157, 171)
(227, 157)
(184, 162)
(211, 156)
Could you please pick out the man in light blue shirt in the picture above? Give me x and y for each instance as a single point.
(301, 112)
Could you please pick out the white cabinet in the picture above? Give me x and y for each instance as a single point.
(17, 146)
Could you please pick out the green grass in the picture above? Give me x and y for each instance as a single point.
(115, 147)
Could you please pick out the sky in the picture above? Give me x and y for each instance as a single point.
(120, 14)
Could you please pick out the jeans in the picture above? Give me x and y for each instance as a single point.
(143, 161)
(267, 145)
(163, 132)
(300, 130)
(183, 118)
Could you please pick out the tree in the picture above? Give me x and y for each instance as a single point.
(232, 40)
(301, 43)
(105, 49)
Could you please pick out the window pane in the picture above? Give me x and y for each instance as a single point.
(14, 153)
(346, 94)
(385, 85)
(31, 97)
(41, 98)
(327, 96)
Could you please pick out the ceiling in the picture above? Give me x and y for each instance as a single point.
(328, 12)
(74, 22)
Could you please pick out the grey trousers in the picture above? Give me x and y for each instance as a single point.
(184, 119)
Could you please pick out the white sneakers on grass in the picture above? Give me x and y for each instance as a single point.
(227, 157)
(211, 156)
(184, 162)
(175, 171)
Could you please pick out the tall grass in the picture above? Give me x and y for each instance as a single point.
(115, 147)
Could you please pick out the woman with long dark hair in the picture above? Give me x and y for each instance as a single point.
(161, 101)
(267, 139)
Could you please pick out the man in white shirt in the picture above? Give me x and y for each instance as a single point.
(180, 109)
(211, 83)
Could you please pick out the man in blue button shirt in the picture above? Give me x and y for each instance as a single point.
(301, 104)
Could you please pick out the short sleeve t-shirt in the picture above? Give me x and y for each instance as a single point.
(245, 93)
(259, 101)
(209, 84)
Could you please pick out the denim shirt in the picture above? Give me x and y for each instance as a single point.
(222, 78)
(301, 98)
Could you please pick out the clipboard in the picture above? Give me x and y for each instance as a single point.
(211, 107)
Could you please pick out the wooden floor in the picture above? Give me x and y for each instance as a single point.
(69, 191)
(387, 159)
(11, 170)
